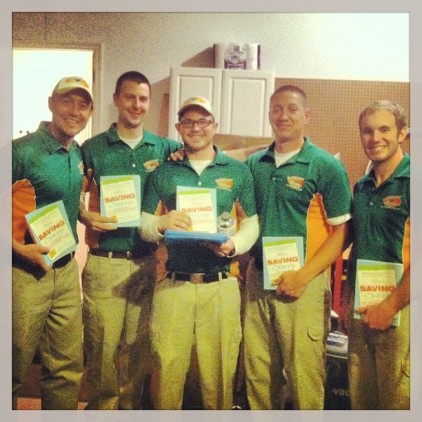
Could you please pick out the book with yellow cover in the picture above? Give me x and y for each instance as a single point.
(375, 280)
(280, 254)
(201, 206)
(49, 226)
(121, 197)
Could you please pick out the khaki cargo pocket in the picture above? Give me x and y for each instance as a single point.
(405, 365)
(318, 325)
(315, 333)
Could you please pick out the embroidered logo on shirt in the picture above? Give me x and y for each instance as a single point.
(224, 183)
(295, 182)
(392, 201)
(151, 165)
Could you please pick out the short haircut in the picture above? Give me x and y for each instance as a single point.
(132, 76)
(291, 88)
(395, 109)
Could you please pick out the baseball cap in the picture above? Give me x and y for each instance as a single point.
(69, 83)
(200, 102)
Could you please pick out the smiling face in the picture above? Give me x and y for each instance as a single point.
(288, 116)
(381, 139)
(197, 139)
(70, 114)
(132, 102)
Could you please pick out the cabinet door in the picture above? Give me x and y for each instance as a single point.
(245, 102)
(186, 82)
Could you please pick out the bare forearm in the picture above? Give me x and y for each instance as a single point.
(329, 251)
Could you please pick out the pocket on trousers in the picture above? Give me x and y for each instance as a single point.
(315, 333)
(318, 324)
(405, 365)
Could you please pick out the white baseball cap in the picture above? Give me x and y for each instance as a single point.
(200, 102)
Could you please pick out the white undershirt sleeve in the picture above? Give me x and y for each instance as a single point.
(247, 235)
(335, 221)
(149, 228)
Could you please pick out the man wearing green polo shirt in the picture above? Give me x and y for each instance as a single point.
(198, 303)
(379, 345)
(303, 196)
(119, 275)
(46, 311)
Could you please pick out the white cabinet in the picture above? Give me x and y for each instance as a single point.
(240, 98)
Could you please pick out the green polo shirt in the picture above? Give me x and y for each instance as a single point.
(107, 155)
(296, 198)
(44, 172)
(381, 219)
(235, 194)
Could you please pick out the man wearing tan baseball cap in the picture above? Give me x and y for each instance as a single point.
(46, 299)
(73, 83)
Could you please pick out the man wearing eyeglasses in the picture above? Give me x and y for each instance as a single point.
(198, 303)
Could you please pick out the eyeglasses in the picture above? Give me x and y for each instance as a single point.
(202, 123)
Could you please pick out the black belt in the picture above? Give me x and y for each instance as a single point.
(115, 254)
(64, 260)
(197, 278)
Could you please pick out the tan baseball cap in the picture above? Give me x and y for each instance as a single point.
(70, 83)
(200, 102)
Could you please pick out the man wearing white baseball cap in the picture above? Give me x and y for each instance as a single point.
(46, 302)
(198, 303)
(196, 102)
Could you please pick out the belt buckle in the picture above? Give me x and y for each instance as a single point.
(196, 278)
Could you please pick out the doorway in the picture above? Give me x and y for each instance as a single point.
(35, 73)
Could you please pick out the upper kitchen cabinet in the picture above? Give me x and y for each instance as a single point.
(240, 98)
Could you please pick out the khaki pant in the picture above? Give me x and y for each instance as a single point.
(207, 315)
(47, 315)
(117, 304)
(284, 344)
(379, 366)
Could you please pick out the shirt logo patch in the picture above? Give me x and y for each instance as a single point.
(392, 201)
(224, 183)
(151, 165)
(295, 182)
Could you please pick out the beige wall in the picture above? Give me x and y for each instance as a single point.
(298, 45)
(335, 107)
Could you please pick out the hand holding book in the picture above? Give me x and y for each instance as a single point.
(32, 253)
(49, 227)
(96, 221)
(375, 281)
(378, 316)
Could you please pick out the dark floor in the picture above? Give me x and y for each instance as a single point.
(30, 393)
(336, 392)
